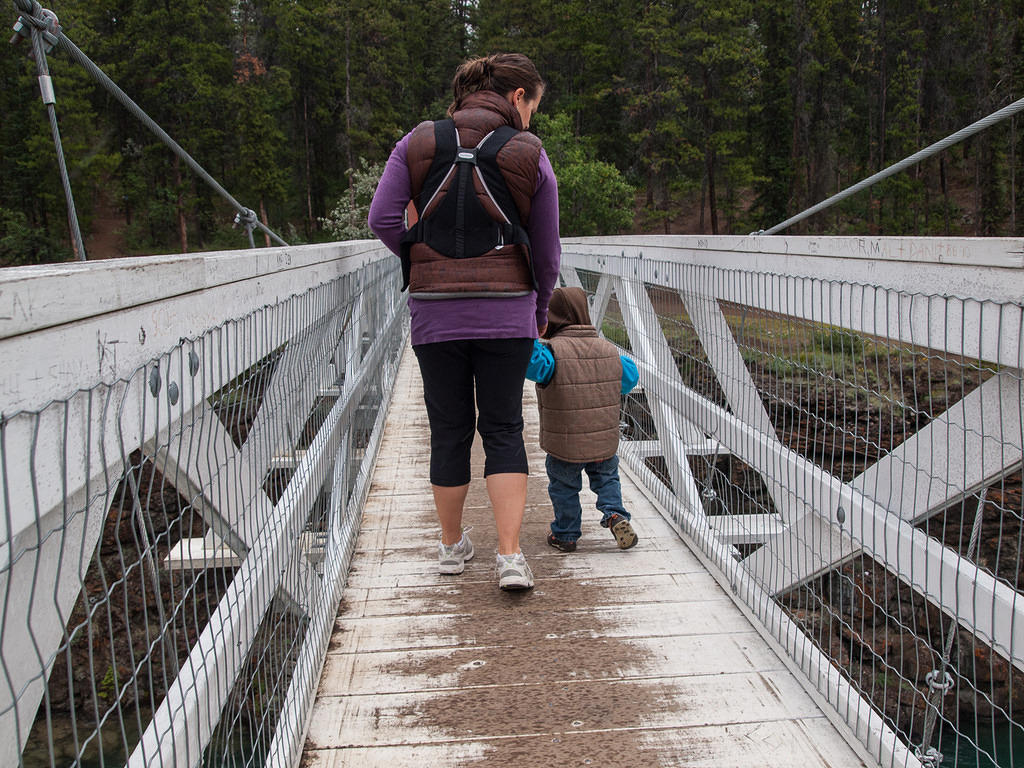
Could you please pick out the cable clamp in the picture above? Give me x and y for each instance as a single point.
(944, 685)
(46, 22)
(246, 217)
(21, 31)
(46, 89)
(930, 758)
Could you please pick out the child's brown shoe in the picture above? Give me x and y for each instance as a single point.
(563, 545)
(623, 532)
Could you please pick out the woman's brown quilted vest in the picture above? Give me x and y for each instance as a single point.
(499, 271)
(579, 407)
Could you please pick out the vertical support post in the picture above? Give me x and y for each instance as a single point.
(674, 431)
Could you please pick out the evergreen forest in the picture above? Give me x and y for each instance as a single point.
(659, 116)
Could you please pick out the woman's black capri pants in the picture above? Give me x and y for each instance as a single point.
(451, 370)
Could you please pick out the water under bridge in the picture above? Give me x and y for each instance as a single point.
(217, 545)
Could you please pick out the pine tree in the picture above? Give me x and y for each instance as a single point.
(660, 97)
(772, 130)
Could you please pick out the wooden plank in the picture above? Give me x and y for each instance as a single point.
(453, 668)
(546, 708)
(394, 573)
(805, 743)
(445, 598)
(646, 620)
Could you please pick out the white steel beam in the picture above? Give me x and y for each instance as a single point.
(972, 444)
(571, 278)
(40, 588)
(73, 326)
(984, 605)
(733, 377)
(602, 295)
(940, 266)
(648, 343)
(745, 529)
(201, 461)
(649, 448)
(289, 396)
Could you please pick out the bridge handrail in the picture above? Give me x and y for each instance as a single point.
(739, 338)
(223, 412)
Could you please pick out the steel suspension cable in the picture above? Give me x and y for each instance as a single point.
(41, 29)
(245, 216)
(963, 133)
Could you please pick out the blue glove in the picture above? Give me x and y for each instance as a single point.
(542, 363)
(630, 375)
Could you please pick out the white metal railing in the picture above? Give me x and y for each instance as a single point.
(835, 423)
(185, 445)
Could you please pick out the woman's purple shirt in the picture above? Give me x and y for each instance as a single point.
(449, 319)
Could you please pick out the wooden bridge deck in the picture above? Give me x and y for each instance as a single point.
(615, 658)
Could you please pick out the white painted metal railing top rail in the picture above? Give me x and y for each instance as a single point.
(187, 295)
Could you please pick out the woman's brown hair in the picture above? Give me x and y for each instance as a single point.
(499, 72)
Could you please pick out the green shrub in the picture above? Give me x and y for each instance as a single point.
(593, 196)
(347, 220)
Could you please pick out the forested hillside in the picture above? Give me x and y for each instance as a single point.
(701, 117)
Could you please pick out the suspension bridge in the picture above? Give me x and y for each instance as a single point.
(825, 472)
(217, 544)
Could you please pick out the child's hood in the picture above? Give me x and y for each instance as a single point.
(568, 306)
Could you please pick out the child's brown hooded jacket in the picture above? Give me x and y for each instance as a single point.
(579, 406)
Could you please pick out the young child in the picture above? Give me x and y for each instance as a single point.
(580, 378)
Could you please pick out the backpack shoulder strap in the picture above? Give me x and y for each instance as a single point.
(487, 162)
(445, 146)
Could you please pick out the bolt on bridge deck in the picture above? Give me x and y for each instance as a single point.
(631, 658)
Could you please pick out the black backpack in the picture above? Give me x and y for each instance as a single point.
(459, 226)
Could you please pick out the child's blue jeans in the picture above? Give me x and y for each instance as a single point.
(565, 481)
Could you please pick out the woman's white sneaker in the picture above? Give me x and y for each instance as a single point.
(452, 559)
(513, 572)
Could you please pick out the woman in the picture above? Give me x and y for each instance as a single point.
(475, 315)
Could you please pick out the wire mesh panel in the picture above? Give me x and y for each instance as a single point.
(836, 424)
(181, 496)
